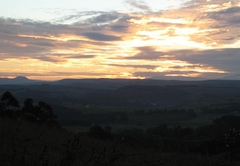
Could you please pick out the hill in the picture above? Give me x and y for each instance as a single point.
(19, 80)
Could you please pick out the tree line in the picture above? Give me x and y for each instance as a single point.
(41, 113)
(220, 137)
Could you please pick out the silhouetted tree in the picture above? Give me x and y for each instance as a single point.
(2, 109)
(42, 112)
(28, 106)
(8, 105)
(45, 112)
(2, 106)
(108, 129)
(99, 133)
(29, 110)
(10, 101)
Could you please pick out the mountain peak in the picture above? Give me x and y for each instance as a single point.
(16, 80)
(21, 78)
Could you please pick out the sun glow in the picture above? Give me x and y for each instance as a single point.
(147, 20)
(184, 75)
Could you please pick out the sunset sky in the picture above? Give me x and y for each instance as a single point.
(158, 39)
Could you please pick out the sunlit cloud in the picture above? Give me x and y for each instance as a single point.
(194, 39)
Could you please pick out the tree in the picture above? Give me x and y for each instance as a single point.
(2, 108)
(8, 105)
(28, 106)
(29, 111)
(45, 112)
(10, 101)
(99, 133)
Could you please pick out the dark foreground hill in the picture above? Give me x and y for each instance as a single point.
(25, 144)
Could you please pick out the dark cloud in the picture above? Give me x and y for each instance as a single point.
(108, 21)
(95, 19)
(225, 59)
(100, 37)
(138, 4)
(52, 74)
(77, 74)
(229, 16)
(82, 56)
(18, 51)
(45, 44)
(119, 28)
(104, 18)
(49, 59)
(33, 39)
(147, 53)
(30, 27)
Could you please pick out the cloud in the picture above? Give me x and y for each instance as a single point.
(148, 53)
(178, 75)
(44, 44)
(229, 16)
(134, 66)
(48, 58)
(145, 53)
(33, 39)
(226, 59)
(104, 18)
(119, 28)
(215, 21)
(138, 4)
(176, 42)
(82, 56)
(18, 49)
(52, 74)
(100, 37)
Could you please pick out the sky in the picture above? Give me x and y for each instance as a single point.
(137, 39)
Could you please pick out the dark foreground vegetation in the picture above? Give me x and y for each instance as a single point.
(31, 135)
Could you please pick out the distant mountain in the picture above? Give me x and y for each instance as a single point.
(122, 92)
(19, 80)
(233, 77)
(104, 83)
(117, 83)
